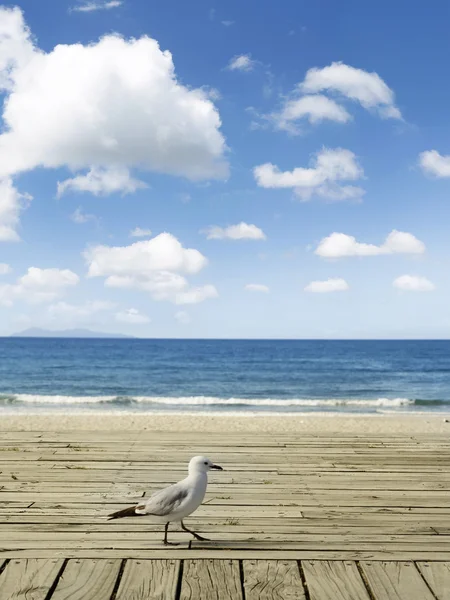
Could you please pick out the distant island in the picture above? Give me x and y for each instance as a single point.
(36, 332)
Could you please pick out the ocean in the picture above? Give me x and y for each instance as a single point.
(134, 375)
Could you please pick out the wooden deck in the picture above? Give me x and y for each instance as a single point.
(311, 517)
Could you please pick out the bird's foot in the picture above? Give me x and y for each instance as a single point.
(200, 538)
(166, 543)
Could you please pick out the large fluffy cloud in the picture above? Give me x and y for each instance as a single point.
(356, 84)
(241, 231)
(38, 285)
(157, 266)
(114, 103)
(328, 169)
(413, 283)
(338, 245)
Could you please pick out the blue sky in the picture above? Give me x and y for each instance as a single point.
(246, 138)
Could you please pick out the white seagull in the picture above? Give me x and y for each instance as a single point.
(177, 501)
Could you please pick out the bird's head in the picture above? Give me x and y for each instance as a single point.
(201, 464)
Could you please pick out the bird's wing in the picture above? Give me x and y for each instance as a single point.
(165, 502)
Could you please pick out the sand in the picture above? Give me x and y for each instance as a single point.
(389, 424)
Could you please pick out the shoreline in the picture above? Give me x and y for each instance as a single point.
(248, 422)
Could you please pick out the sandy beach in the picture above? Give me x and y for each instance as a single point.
(425, 423)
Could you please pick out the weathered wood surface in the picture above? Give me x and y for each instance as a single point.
(225, 579)
(272, 580)
(211, 580)
(312, 518)
(145, 579)
(396, 581)
(437, 576)
(87, 580)
(314, 497)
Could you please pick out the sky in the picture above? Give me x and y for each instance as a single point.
(225, 170)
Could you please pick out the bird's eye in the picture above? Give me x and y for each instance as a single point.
(206, 463)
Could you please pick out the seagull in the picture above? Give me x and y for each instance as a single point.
(177, 501)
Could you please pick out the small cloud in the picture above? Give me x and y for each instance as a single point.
(182, 317)
(242, 231)
(241, 62)
(93, 6)
(339, 245)
(80, 217)
(139, 232)
(212, 14)
(330, 285)
(5, 269)
(185, 198)
(433, 163)
(256, 287)
(132, 316)
(102, 182)
(328, 169)
(413, 283)
(227, 23)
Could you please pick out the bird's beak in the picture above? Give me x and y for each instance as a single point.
(216, 467)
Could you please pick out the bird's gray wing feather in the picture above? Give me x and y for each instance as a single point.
(165, 502)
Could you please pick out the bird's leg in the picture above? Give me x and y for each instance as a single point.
(166, 542)
(196, 535)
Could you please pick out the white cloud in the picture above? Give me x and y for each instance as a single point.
(38, 285)
(315, 109)
(4, 269)
(356, 84)
(182, 317)
(114, 103)
(79, 217)
(241, 231)
(93, 6)
(227, 23)
(132, 316)
(196, 295)
(139, 232)
(434, 163)
(78, 312)
(330, 285)
(102, 182)
(338, 245)
(241, 62)
(12, 203)
(328, 168)
(256, 287)
(156, 266)
(413, 283)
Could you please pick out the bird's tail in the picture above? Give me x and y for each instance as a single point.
(125, 512)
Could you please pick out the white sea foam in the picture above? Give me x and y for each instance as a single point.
(212, 401)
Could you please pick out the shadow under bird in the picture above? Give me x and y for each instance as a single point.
(176, 502)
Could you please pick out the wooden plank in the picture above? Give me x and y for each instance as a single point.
(336, 580)
(211, 580)
(29, 579)
(145, 579)
(395, 581)
(272, 580)
(88, 579)
(437, 575)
